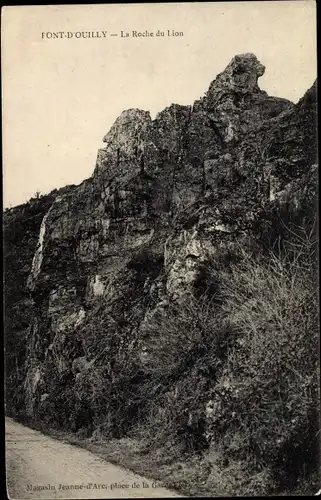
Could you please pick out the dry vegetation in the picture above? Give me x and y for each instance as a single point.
(227, 399)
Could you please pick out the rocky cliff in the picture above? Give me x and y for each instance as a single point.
(166, 196)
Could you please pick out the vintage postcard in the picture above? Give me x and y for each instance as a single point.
(160, 250)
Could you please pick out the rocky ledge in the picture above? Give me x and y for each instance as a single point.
(165, 195)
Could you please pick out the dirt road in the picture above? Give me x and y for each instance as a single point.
(40, 467)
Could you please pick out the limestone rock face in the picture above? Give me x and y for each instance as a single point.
(165, 193)
(128, 132)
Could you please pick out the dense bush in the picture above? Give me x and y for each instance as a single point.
(266, 401)
(238, 372)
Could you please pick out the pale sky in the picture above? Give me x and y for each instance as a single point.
(61, 96)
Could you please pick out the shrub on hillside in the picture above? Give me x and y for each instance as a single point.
(266, 403)
(183, 350)
(179, 335)
(237, 373)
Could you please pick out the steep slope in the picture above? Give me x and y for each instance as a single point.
(21, 233)
(114, 254)
(21, 230)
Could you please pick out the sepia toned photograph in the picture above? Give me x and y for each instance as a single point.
(160, 239)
